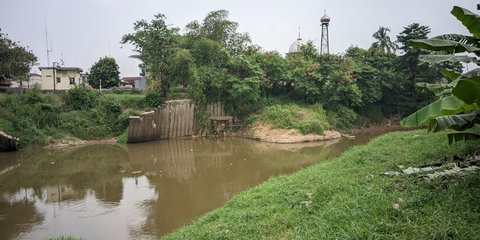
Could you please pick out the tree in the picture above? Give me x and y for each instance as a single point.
(383, 42)
(375, 74)
(407, 95)
(459, 105)
(15, 60)
(218, 28)
(104, 73)
(156, 45)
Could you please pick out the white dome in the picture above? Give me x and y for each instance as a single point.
(295, 47)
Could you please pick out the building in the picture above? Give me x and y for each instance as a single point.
(134, 83)
(60, 78)
(34, 80)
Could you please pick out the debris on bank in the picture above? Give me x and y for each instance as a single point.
(469, 164)
(8, 143)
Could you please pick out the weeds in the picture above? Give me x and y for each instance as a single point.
(35, 118)
(309, 119)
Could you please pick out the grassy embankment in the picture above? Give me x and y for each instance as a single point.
(305, 118)
(38, 119)
(348, 198)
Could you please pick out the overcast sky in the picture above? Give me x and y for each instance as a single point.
(83, 31)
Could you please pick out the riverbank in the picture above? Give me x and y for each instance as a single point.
(268, 133)
(39, 119)
(349, 197)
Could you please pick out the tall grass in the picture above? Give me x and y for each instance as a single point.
(37, 118)
(310, 119)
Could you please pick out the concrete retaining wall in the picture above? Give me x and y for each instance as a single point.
(175, 119)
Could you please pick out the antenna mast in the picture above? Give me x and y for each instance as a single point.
(49, 50)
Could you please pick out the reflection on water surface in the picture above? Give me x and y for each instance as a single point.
(140, 190)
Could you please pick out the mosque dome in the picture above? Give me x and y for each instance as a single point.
(325, 19)
(295, 47)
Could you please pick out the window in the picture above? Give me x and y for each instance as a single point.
(58, 80)
(72, 80)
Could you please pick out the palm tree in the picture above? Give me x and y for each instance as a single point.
(383, 42)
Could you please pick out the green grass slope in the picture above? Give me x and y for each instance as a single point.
(348, 198)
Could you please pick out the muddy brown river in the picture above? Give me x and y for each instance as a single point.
(139, 191)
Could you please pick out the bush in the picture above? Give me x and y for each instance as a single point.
(79, 98)
(342, 118)
(311, 126)
(153, 99)
(309, 119)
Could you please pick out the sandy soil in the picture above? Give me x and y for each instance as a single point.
(266, 133)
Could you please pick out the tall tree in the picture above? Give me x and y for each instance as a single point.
(104, 73)
(383, 42)
(156, 45)
(15, 60)
(217, 27)
(409, 95)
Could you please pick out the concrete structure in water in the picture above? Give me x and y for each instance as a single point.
(60, 78)
(177, 118)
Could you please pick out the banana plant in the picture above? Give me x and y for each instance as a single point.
(458, 108)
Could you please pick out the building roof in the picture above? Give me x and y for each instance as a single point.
(62, 68)
(34, 75)
(130, 79)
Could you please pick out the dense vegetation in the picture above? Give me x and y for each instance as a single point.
(349, 198)
(212, 61)
(37, 118)
(458, 106)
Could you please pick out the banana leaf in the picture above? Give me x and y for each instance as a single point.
(450, 74)
(468, 90)
(443, 45)
(470, 20)
(462, 136)
(446, 58)
(469, 40)
(459, 122)
(444, 106)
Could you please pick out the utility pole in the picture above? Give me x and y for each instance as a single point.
(54, 69)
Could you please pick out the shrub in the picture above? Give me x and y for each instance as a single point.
(153, 99)
(310, 119)
(342, 118)
(80, 98)
(311, 126)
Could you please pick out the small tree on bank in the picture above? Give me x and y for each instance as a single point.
(105, 73)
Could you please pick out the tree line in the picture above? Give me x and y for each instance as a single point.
(213, 61)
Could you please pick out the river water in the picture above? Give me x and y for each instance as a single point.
(139, 191)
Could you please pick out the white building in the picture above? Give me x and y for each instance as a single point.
(60, 78)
